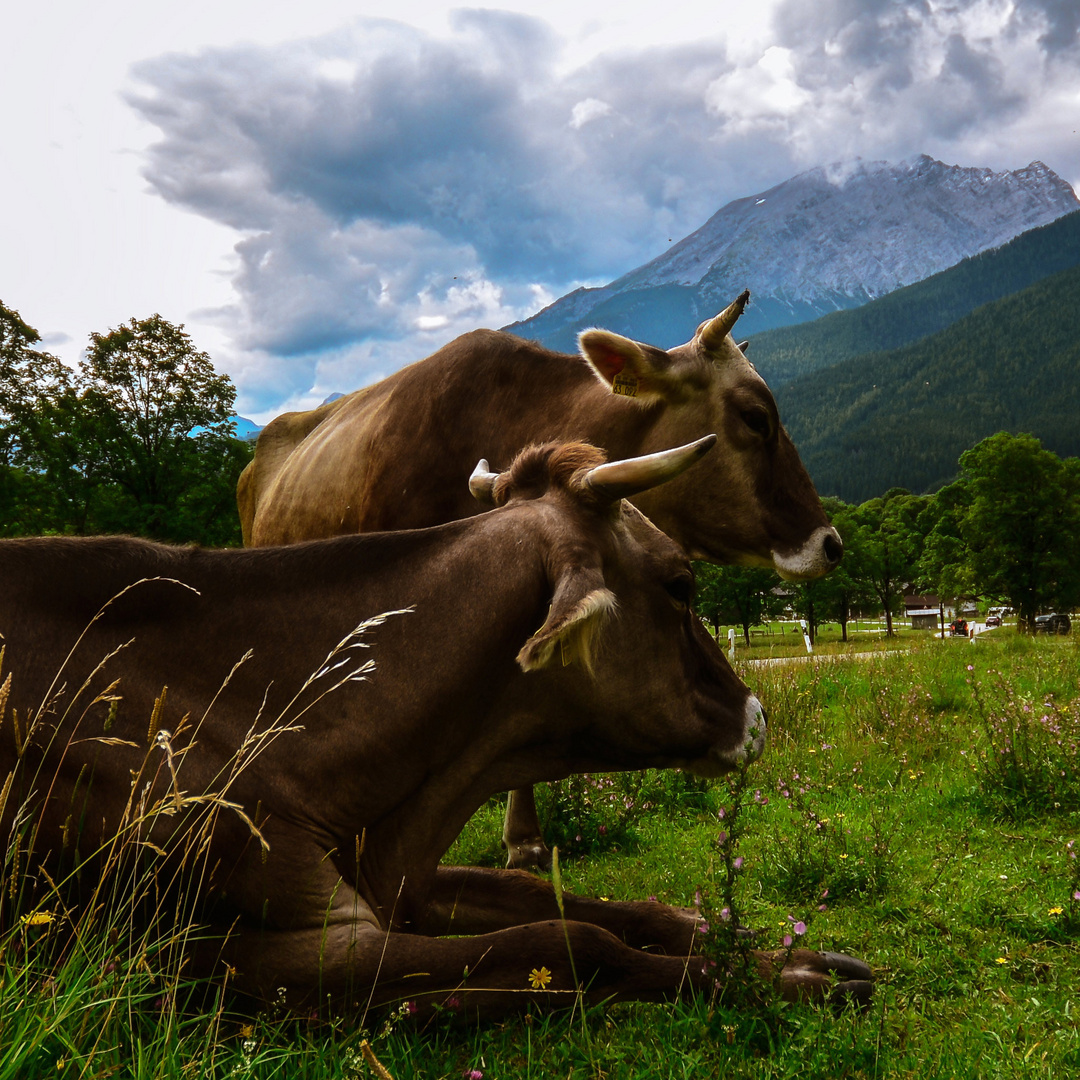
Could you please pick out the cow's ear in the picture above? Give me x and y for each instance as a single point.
(627, 367)
(569, 633)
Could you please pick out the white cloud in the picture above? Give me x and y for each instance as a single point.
(329, 199)
(586, 111)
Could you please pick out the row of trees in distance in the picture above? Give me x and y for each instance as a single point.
(1006, 530)
(139, 439)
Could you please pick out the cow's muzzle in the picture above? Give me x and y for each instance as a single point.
(719, 761)
(821, 553)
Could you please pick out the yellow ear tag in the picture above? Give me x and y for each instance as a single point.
(626, 385)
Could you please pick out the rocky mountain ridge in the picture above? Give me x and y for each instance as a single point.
(828, 239)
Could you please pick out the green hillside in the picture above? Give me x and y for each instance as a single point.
(903, 417)
(917, 310)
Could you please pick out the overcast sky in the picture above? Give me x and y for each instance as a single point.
(322, 194)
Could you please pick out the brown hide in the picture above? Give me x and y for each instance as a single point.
(396, 455)
(358, 791)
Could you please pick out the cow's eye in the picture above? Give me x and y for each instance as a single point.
(758, 421)
(681, 591)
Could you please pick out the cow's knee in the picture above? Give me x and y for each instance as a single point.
(532, 854)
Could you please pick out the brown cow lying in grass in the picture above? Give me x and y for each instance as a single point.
(307, 799)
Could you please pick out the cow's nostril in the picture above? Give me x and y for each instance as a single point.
(834, 548)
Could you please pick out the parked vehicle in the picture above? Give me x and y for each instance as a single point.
(1054, 623)
(992, 620)
(958, 628)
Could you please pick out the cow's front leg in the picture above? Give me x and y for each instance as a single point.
(522, 837)
(352, 967)
(471, 900)
(475, 900)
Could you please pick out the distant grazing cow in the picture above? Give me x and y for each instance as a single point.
(395, 455)
(356, 793)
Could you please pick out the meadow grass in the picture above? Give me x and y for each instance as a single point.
(917, 809)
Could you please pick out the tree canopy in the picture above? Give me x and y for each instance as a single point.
(1006, 531)
(138, 439)
(1021, 523)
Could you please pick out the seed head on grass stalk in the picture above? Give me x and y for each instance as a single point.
(109, 968)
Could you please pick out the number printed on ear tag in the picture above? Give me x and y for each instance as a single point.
(626, 385)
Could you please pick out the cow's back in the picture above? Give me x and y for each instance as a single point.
(397, 455)
(301, 457)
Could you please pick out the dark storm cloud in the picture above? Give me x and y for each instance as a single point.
(395, 187)
(389, 180)
(471, 138)
(1062, 22)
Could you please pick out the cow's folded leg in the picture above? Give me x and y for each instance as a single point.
(470, 900)
(474, 900)
(349, 967)
(522, 837)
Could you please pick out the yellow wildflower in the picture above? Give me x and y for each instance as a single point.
(1002, 960)
(38, 918)
(1055, 911)
(539, 978)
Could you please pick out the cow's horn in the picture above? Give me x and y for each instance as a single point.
(718, 328)
(621, 479)
(482, 482)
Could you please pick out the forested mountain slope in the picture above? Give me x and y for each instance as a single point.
(903, 417)
(913, 312)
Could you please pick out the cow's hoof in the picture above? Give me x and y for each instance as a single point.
(855, 987)
(852, 994)
(528, 855)
(841, 980)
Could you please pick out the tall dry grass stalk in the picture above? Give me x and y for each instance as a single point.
(110, 954)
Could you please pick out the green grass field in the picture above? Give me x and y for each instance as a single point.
(925, 799)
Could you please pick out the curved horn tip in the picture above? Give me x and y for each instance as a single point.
(624, 479)
(703, 445)
(716, 329)
(482, 481)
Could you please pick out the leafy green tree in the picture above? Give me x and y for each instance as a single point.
(888, 540)
(28, 376)
(1022, 523)
(742, 595)
(835, 597)
(139, 440)
(944, 564)
(154, 418)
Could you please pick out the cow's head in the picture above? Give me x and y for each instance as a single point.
(650, 684)
(752, 501)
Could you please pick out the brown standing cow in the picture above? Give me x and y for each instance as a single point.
(395, 455)
(358, 792)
